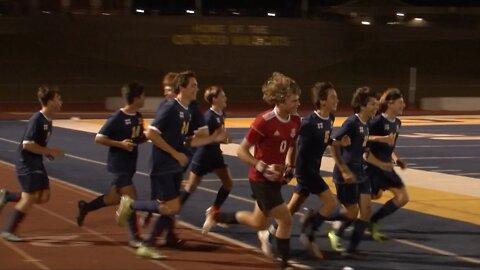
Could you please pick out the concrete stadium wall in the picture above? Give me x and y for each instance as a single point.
(450, 104)
(90, 57)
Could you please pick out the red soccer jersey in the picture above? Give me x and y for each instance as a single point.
(271, 138)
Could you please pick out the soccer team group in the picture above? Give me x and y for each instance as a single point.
(285, 146)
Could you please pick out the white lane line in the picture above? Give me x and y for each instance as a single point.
(406, 242)
(423, 167)
(422, 158)
(438, 146)
(413, 244)
(25, 255)
(446, 170)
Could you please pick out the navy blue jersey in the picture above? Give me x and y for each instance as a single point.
(314, 135)
(381, 126)
(211, 151)
(358, 133)
(198, 119)
(121, 126)
(39, 129)
(174, 123)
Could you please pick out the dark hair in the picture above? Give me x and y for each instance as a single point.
(361, 97)
(182, 80)
(391, 94)
(132, 91)
(320, 92)
(212, 92)
(46, 93)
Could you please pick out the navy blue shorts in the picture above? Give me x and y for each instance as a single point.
(311, 184)
(121, 180)
(33, 182)
(267, 194)
(383, 180)
(208, 166)
(349, 194)
(166, 187)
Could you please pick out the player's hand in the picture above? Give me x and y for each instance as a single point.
(52, 153)
(345, 141)
(288, 174)
(181, 158)
(348, 176)
(271, 172)
(228, 139)
(220, 135)
(390, 139)
(128, 145)
(402, 164)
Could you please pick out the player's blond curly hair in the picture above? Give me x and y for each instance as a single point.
(278, 87)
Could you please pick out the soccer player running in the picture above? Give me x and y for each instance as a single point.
(273, 136)
(122, 133)
(30, 169)
(351, 181)
(169, 133)
(209, 158)
(315, 136)
(382, 155)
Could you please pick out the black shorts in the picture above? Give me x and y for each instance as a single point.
(121, 180)
(267, 194)
(33, 182)
(207, 166)
(383, 180)
(349, 194)
(166, 187)
(314, 184)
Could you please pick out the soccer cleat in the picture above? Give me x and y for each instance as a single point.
(173, 241)
(82, 212)
(265, 245)
(124, 210)
(3, 199)
(150, 253)
(209, 220)
(11, 237)
(134, 243)
(377, 235)
(283, 265)
(311, 247)
(335, 242)
(145, 219)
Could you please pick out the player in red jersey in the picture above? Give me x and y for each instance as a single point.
(273, 136)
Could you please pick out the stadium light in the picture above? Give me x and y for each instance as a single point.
(271, 14)
(189, 11)
(399, 14)
(139, 10)
(418, 19)
(366, 23)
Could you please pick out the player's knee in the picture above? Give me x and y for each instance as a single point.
(351, 213)
(403, 199)
(329, 206)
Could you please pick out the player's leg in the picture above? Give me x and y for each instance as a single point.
(8, 196)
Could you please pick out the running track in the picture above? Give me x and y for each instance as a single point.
(440, 230)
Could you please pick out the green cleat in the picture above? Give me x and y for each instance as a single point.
(124, 210)
(377, 235)
(335, 242)
(150, 253)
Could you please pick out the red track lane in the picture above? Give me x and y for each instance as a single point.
(57, 243)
